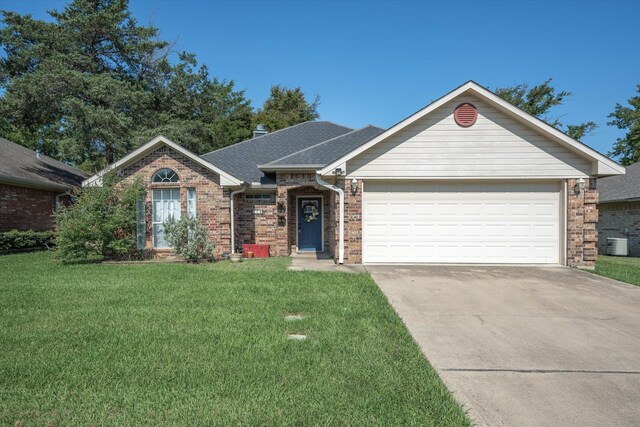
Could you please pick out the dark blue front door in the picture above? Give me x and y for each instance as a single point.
(310, 224)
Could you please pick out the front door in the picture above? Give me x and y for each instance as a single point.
(310, 224)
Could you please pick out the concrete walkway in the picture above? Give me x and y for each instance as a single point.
(525, 346)
(321, 262)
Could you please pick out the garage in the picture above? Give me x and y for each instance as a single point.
(462, 222)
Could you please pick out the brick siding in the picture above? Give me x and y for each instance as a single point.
(252, 227)
(212, 201)
(23, 208)
(352, 221)
(620, 219)
(582, 218)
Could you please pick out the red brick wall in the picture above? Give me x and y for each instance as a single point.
(212, 201)
(582, 218)
(23, 208)
(352, 222)
(251, 227)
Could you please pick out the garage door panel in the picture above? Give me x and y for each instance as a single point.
(461, 223)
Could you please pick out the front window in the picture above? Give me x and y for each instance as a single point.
(258, 197)
(165, 175)
(166, 204)
(191, 202)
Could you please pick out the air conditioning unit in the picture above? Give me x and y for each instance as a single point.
(618, 247)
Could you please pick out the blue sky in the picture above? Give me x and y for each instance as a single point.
(379, 61)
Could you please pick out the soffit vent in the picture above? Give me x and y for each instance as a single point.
(465, 115)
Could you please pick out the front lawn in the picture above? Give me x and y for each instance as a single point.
(206, 344)
(625, 269)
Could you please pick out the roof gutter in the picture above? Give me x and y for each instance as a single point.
(341, 215)
(35, 184)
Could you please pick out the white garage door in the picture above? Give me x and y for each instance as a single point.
(461, 223)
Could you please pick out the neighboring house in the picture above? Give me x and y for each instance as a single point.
(619, 209)
(31, 187)
(468, 179)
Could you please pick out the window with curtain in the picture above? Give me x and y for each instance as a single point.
(166, 204)
(141, 229)
(191, 202)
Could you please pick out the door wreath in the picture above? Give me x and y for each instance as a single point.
(310, 211)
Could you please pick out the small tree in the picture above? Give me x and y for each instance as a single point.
(188, 238)
(286, 107)
(101, 223)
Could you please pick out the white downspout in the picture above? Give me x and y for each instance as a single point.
(233, 234)
(341, 215)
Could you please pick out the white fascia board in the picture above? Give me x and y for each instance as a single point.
(467, 178)
(609, 167)
(225, 178)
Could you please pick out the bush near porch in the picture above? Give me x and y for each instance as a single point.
(176, 344)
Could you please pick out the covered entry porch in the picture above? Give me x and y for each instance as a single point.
(310, 220)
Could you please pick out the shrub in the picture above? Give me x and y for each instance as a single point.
(16, 240)
(188, 238)
(101, 223)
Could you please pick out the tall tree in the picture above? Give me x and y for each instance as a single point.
(539, 100)
(286, 107)
(627, 149)
(195, 111)
(92, 84)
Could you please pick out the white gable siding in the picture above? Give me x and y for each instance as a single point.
(496, 146)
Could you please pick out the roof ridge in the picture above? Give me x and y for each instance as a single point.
(268, 134)
(315, 145)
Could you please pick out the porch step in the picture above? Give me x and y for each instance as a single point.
(311, 255)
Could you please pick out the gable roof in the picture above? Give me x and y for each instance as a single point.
(603, 165)
(621, 187)
(154, 144)
(327, 151)
(242, 159)
(21, 166)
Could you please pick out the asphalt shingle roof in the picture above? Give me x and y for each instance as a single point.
(242, 159)
(328, 151)
(621, 187)
(18, 163)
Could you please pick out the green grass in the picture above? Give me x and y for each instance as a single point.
(625, 269)
(177, 344)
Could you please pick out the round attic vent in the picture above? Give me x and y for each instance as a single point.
(465, 115)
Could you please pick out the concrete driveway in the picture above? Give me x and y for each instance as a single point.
(525, 345)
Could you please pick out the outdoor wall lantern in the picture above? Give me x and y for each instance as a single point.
(354, 186)
(579, 186)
